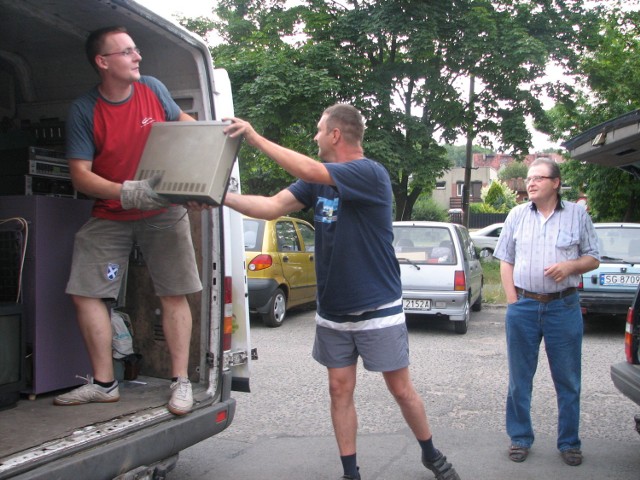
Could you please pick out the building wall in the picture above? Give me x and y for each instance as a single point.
(485, 170)
(447, 185)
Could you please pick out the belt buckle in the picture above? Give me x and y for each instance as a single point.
(542, 297)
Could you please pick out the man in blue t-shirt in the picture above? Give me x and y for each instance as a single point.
(359, 303)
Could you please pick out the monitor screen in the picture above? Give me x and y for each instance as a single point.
(12, 348)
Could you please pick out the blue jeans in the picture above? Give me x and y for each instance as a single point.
(559, 322)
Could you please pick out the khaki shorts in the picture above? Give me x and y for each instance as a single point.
(102, 248)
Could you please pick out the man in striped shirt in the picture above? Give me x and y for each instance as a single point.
(544, 247)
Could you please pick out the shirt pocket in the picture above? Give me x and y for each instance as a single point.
(567, 244)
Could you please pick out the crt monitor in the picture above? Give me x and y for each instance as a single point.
(12, 353)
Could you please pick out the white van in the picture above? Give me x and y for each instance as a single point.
(42, 69)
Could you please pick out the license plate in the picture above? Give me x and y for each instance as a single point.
(619, 278)
(416, 304)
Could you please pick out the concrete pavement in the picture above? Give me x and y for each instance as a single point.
(475, 454)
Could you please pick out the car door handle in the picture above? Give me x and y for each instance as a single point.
(311, 258)
(285, 258)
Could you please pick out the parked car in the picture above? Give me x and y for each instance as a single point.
(616, 143)
(626, 375)
(611, 287)
(441, 271)
(280, 266)
(486, 239)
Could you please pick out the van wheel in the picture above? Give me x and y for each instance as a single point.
(461, 327)
(277, 309)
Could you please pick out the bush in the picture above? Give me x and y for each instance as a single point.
(499, 196)
(482, 208)
(428, 209)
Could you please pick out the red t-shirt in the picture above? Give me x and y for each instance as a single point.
(113, 136)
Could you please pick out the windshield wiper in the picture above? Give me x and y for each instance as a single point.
(615, 259)
(410, 261)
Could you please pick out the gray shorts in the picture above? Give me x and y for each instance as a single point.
(382, 349)
(102, 247)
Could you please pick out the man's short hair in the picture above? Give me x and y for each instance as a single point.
(95, 42)
(348, 120)
(552, 166)
(554, 169)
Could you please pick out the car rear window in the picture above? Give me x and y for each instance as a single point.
(618, 242)
(253, 233)
(424, 245)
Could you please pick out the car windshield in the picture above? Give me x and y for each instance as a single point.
(617, 242)
(416, 244)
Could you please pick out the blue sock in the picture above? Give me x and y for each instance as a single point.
(350, 466)
(428, 450)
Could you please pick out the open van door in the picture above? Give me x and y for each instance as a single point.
(615, 143)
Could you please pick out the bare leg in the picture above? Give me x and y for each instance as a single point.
(176, 324)
(95, 325)
(342, 383)
(411, 404)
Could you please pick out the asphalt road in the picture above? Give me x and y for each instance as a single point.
(282, 430)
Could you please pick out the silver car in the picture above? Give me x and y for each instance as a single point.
(441, 271)
(611, 288)
(486, 239)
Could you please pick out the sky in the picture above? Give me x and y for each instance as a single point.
(196, 8)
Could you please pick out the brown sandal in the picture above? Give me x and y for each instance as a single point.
(572, 456)
(518, 454)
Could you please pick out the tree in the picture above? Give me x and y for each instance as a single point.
(457, 154)
(499, 196)
(609, 74)
(400, 63)
(513, 170)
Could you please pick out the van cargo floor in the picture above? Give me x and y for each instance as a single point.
(33, 422)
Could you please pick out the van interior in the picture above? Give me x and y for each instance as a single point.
(42, 69)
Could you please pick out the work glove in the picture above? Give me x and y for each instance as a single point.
(140, 194)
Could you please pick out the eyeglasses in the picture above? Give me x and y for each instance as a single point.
(125, 53)
(536, 178)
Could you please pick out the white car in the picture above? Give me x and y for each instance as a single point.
(486, 239)
(440, 270)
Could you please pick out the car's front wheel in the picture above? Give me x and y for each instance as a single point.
(277, 309)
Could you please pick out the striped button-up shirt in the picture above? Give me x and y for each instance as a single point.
(531, 242)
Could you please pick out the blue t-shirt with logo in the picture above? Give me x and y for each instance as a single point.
(356, 266)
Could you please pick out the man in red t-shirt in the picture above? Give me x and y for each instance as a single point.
(106, 132)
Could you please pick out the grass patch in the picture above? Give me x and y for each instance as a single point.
(492, 291)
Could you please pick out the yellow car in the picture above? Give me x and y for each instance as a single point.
(281, 271)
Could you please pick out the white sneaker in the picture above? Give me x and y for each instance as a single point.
(181, 397)
(89, 393)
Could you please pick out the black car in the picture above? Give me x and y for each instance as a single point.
(626, 375)
(616, 143)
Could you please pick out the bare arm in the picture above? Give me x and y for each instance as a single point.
(506, 276)
(560, 271)
(298, 165)
(185, 117)
(268, 208)
(87, 182)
